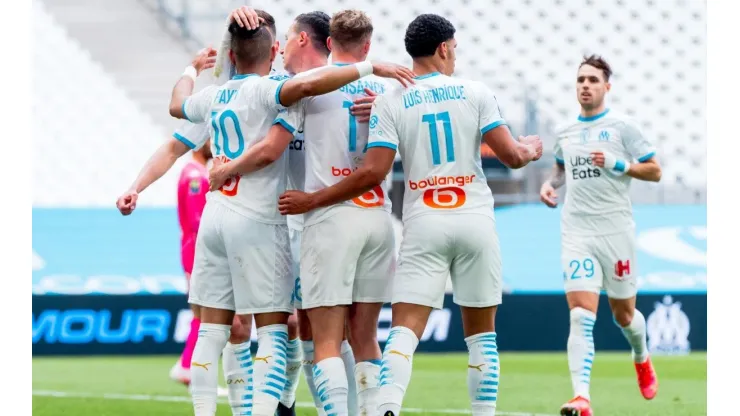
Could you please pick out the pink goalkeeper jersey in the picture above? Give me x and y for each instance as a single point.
(191, 198)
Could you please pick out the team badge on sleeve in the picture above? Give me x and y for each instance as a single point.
(194, 187)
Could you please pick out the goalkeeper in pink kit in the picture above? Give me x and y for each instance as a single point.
(191, 199)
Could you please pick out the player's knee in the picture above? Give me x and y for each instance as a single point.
(623, 317)
(241, 329)
(292, 327)
(580, 317)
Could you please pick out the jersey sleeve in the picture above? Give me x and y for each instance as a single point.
(268, 89)
(558, 153)
(197, 107)
(635, 142)
(193, 135)
(383, 131)
(292, 117)
(489, 111)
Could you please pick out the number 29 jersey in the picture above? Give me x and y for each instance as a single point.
(335, 143)
(240, 113)
(437, 125)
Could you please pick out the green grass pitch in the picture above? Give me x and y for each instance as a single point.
(531, 384)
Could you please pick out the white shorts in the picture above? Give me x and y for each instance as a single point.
(295, 252)
(600, 262)
(346, 258)
(464, 247)
(241, 264)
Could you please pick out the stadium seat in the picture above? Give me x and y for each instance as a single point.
(90, 138)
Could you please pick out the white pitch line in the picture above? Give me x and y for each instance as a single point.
(186, 399)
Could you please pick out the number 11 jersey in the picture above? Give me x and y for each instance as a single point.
(437, 125)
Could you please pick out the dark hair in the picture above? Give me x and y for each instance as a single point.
(350, 27)
(426, 33)
(316, 26)
(597, 62)
(253, 46)
(269, 21)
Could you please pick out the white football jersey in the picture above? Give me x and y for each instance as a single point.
(437, 125)
(335, 143)
(241, 111)
(597, 201)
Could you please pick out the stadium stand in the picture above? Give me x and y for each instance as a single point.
(90, 137)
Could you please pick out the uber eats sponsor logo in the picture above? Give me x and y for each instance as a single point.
(583, 167)
(297, 143)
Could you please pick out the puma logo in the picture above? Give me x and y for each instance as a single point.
(203, 366)
(407, 357)
(477, 367)
(265, 359)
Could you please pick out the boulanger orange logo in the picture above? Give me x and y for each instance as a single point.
(461, 180)
(231, 186)
(372, 198)
(444, 198)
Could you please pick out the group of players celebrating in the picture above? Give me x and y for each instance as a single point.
(299, 218)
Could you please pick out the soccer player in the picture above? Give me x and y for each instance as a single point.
(437, 126)
(242, 260)
(597, 156)
(306, 49)
(192, 187)
(347, 277)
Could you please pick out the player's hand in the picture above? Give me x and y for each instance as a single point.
(363, 106)
(598, 158)
(218, 175)
(246, 17)
(400, 73)
(205, 59)
(535, 142)
(126, 203)
(295, 202)
(548, 195)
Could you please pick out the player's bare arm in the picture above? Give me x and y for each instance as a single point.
(548, 195)
(205, 59)
(330, 79)
(161, 161)
(514, 154)
(648, 170)
(378, 162)
(257, 157)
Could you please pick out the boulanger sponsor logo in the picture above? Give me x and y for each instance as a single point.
(370, 199)
(668, 328)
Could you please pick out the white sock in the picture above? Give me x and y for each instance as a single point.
(292, 372)
(581, 350)
(367, 375)
(269, 368)
(395, 372)
(237, 361)
(307, 347)
(331, 382)
(483, 370)
(348, 358)
(636, 336)
(204, 367)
